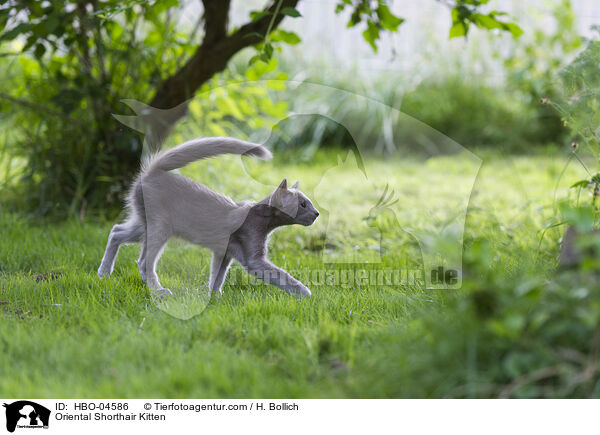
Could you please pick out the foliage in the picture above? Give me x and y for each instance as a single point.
(83, 63)
(237, 103)
(472, 112)
(465, 12)
(265, 47)
(76, 60)
(580, 102)
(489, 96)
(376, 15)
(579, 106)
(529, 337)
(532, 65)
(78, 155)
(475, 114)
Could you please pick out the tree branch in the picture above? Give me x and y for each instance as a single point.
(215, 52)
(216, 13)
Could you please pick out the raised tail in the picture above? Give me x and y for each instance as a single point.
(202, 148)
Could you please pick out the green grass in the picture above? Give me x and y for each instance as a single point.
(79, 336)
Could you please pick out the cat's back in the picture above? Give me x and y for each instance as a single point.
(175, 189)
(192, 210)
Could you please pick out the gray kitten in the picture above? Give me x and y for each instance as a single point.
(162, 205)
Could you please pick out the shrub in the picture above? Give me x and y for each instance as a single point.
(475, 114)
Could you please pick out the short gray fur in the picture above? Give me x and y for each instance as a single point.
(162, 205)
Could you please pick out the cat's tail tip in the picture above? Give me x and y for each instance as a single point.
(260, 152)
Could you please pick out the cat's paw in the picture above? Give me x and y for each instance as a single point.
(104, 271)
(303, 292)
(162, 293)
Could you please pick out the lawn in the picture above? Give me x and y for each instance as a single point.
(67, 333)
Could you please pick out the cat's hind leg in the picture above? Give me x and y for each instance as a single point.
(218, 270)
(127, 232)
(155, 243)
(141, 262)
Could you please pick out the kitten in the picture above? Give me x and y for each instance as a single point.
(162, 205)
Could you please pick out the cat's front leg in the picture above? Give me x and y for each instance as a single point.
(271, 274)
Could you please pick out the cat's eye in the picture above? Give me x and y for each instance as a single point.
(303, 204)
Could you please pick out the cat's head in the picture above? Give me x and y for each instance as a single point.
(294, 204)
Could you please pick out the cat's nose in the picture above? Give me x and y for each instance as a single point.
(317, 212)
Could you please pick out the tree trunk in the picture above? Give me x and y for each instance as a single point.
(214, 53)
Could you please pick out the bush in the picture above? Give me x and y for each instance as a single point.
(78, 157)
(485, 92)
(475, 114)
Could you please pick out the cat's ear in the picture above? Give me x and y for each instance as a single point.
(296, 184)
(276, 199)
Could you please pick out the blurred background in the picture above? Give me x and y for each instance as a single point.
(484, 89)
(496, 101)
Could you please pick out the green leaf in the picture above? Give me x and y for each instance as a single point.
(52, 23)
(582, 183)
(284, 36)
(264, 56)
(39, 51)
(275, 85)
(30, 42)
(458, 29)
(371, 35)
(515, 30)
(3, 21)
(254, 34)
(257, 15)
(388, 20)
(163, 5)
(105, 179)
(254, 59)
(490, 22)
(290, 12)
(229, 107)
(486, 21)
(268, 50)
(11, 34)
(455, 15)
(582, 217)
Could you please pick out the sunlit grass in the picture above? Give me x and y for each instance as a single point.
(66, 333)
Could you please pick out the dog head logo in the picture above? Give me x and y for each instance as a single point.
(26, 414)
